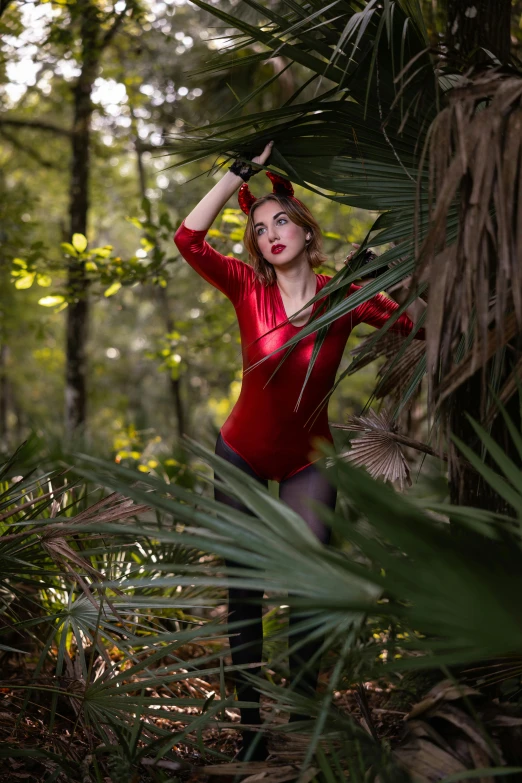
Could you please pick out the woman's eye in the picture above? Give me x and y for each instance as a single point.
(281, 220)
(259, 230)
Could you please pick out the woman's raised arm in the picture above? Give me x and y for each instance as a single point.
(204, 213)
(234, 278)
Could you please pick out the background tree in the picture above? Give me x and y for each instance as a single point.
(144, 88)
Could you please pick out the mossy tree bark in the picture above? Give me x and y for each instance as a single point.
(94, 40)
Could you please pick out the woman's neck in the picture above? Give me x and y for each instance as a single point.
(297, 284)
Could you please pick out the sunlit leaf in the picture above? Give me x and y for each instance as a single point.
(68, 248)
(51, 301)
(113, 289)
(102, 252)
(25, 281)
(79, 242)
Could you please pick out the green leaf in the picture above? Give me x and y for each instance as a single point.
(500, 485)
(113, 289)
(26, 281)
(68, 248)
(44, 280)
(102, 252)
(510, 470)
(232, 216)
(50, 301)
(79, 242)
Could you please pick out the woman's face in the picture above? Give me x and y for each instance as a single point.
(279, 240)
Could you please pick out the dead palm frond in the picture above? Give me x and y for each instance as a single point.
(376, 450)
(443, 736)
(397, 372)
(475, 159)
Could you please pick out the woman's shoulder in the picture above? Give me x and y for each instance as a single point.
(323, 279)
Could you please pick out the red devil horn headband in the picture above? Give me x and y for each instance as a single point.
(280, 186)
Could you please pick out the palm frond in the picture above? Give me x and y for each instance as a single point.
(374, 449)
(475, 283)
(443, 736)
(436, 600)
(397, 371)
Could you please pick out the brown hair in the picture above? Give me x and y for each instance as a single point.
(298, 214)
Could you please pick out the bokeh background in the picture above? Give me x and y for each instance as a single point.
(163, 354)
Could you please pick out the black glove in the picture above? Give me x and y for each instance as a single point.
(243, 170)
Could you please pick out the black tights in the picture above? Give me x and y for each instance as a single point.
(247, 644)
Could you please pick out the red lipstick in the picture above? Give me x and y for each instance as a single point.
(277, 249)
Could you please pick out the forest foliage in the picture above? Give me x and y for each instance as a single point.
(115, 120)
(141, 338)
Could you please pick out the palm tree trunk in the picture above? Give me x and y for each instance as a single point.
(467, 487)
(473, 24)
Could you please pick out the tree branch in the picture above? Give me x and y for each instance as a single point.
(37, 125)
(111, 32)
(4, 4)
(28, 151)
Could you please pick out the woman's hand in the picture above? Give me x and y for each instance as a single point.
(351, 254)
(204, 213)
(262, 159)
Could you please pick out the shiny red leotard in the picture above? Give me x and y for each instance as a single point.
(263, 427)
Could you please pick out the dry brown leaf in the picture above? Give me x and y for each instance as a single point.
(395, 374)
(475, 285)
(244, 767)
(374, 449)
(282, 775)
(445, 690)
(466, 724)
(475, 740)
(426, 762)
(262, 772)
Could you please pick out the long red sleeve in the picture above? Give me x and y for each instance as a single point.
(233, 277)
(378, 309)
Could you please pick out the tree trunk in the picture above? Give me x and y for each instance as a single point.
(467, 488)
(475, 24)
(78, 310)
(4, 399)
(472, 24)
(174, 383)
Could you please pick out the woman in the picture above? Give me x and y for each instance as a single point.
(268, 435)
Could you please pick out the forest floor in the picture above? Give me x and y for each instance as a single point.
(71, 738)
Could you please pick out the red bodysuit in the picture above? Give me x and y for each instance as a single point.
(263, 427)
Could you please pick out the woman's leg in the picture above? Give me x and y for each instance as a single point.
(247, 644)
(297, 491)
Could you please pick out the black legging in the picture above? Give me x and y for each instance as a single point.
(247, 644)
